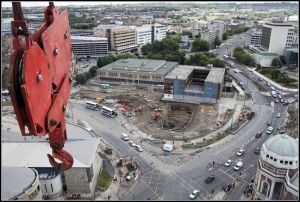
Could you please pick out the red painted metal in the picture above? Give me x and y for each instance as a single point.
(39, 79)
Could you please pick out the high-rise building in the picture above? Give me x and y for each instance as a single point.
(256, 38)
(143, 35)
(89, 47)
(277, 176)
(276, 37)
(159, 32)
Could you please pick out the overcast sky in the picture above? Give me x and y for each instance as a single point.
(78, 3)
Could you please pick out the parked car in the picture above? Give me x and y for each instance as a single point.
(257, 150)
(194, 194)
(269, 123)
(131, 143)
(260, 79)
(228, 163)
(258, 134)
(240, 152)
(270, 130)
(281, 100)
(139, 148)
(238, 166)
(209, 179)
(276, 100)
(278, 115)
(280, 96)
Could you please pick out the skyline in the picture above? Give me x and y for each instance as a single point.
(90, 3)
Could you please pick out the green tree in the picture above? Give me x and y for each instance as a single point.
(276, 63)
(198, 36)
(102, 61)
(124, 56)
(200, 45)
(190, 34)
(93, 71)
(225, 36)
(81, 79)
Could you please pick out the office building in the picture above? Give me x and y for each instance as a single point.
(194, 84)
(159, 32)
(136, 71)
(256, 38)
(276, 37)
(144, 35)
(89, 47)
(121, 39)
(277, 175)
(209, 36)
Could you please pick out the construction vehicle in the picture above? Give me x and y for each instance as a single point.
(40, 79)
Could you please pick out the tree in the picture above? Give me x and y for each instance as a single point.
(225, 37)
(124, 56)
(217, 42)
(198, 36)
(80, 78)
(276, 63)
(200, 45)
(93, 71)
(190, 34)
(102, 61)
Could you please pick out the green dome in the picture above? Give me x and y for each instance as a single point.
(283, 145)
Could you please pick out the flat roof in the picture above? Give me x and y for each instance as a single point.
(215, 75)
(88, 38)
(15, 181)
(161, 67)
(181, 72)
(34, 154)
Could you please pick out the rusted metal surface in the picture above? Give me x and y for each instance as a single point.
(39, 79)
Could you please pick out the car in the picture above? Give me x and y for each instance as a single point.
(238, 166)
(258, 134)
(209, 179)
(278, 115)
(257, 150)
(125, 136)
(276, 91)
(194, 194)
(139, 148)
(276, 100)
(268, 84)
(280, 96)
(131, 143)
(269, 123)
(281, 100)
(270, 130)
(260, 79)
(228, 163)
(272, 88)
(240, 152)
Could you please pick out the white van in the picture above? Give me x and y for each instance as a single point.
(238, 166)
(125, 136)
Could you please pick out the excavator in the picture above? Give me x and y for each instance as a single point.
(40, 79)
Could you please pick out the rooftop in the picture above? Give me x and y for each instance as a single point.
(14, 181)
(283, 145)
(181, 72)
(88, 38)
(215, 75)
(161, 67)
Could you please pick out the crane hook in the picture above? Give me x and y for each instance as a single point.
(65, 157)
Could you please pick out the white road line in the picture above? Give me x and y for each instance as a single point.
(227, 175)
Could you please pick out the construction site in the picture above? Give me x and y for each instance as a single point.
(143, 107)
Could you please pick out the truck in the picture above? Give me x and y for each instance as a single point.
(168, 147)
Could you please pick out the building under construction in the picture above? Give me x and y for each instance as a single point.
(194, 84)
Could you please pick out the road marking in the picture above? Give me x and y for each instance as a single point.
(227, 174)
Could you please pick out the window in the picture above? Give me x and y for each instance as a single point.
(275, 159)
(265, 188)
(281, 161)
(46, 188)
(267, 156)
(291, 162)
(271, 157)
(51, 187)
(285, 162)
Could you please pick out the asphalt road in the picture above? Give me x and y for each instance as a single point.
(163, 181)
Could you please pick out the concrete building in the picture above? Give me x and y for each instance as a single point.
(291, 56)
(121, 39)
(194, 84)
(209, 36)
(80, 180)
(261, 56)
(89, 47)
(277, 176)
(276, 37)
(255, 38)
(20, 184)
(159, 32)
(138, 71)
(143, 35)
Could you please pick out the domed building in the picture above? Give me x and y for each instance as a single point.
(277, 176)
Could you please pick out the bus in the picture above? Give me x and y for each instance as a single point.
(109, 112)
(92, 105)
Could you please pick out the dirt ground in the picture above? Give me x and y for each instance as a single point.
(292, 126)
(164, 120)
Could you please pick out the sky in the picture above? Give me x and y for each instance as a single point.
(78, 3)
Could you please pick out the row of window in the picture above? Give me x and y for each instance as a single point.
(280, 161)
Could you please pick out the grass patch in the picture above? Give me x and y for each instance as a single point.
(188, 146)
(104, 180)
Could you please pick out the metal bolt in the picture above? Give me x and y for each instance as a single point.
(40, 77)
(66, 35)
(64, 108)
(53, 122)
(55, 51)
